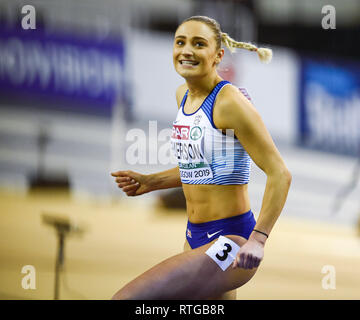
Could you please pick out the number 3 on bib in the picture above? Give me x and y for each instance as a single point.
(223, 252)
(225, 255)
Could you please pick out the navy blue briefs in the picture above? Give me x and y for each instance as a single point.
(198, 234)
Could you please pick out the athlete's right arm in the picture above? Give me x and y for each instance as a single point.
(135, 184)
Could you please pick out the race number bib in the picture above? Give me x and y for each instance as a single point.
(223, 252)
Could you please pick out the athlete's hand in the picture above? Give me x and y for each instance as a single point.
(250, 254)
(132, 183)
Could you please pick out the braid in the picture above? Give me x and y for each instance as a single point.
(265, 54)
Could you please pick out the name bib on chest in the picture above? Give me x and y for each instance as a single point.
(188, 146)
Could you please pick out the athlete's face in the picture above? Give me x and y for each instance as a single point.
(195, 53)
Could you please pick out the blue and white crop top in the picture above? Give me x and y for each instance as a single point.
(204, 153)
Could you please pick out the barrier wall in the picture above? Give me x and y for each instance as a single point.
(301, 101)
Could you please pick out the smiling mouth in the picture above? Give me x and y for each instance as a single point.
(188, 63)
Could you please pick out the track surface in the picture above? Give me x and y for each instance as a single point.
(127, 237)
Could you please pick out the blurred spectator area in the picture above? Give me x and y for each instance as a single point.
(289, 23)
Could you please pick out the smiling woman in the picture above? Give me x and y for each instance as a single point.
(221, 230)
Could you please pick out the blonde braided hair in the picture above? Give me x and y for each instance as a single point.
(264, 54)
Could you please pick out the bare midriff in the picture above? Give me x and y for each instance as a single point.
(212, 202)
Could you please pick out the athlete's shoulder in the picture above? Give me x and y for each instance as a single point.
(231, 104)
(231, 97)
(180, 92)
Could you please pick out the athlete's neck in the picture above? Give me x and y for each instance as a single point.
(202, 87)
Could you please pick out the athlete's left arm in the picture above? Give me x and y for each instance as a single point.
(234, 111)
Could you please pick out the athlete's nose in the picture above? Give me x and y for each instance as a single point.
(187, 51)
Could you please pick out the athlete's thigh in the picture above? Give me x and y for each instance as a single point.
(229, 295)
(188, 275)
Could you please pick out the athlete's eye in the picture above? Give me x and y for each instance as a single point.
(199, 44)
(179, 42)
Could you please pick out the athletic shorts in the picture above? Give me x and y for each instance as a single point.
(198, 234)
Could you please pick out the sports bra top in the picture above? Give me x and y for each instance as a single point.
(205, 154)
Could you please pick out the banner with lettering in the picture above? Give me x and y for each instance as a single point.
(61, 69)
(329, 98)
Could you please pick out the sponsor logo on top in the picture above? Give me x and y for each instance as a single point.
(195, 133)
(180, 132)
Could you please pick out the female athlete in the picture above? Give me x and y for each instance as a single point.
(224, 244)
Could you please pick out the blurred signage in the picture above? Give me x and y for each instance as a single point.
(78, 70)
(330, 106)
